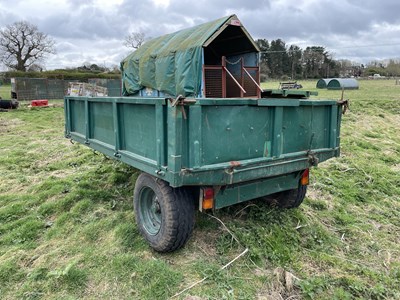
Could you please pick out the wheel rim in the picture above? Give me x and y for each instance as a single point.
(150, 211)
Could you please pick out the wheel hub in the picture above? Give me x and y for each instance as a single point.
(156, 206)
(150, 211)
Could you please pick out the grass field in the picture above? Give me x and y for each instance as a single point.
(5, 91)
(67, 230)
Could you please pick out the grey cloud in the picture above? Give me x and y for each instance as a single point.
(78, 3)
(87, 23)
(95, 33)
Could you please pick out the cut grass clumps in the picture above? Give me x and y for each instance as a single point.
(71, 277)
(23, 232)
(144, 277)
(128, 236)
(10, 273)
(67, 230)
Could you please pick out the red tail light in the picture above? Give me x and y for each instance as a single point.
(208, 198)
(305, 177)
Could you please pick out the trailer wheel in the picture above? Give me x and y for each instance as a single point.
(165, 215)
(290, 198)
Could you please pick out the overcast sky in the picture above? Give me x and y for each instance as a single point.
(93, 30)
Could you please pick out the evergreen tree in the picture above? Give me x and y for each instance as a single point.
(264, 57)
(279, 59)
(295, 54)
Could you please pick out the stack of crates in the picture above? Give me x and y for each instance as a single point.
(86, 89)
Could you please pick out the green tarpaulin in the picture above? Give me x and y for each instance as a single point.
(171, 63)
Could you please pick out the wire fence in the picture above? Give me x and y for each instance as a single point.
(43, 88)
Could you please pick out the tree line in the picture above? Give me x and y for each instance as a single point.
(24, 48)
(278, 60)
(281, 61)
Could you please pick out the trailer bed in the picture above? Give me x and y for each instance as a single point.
(211, 141)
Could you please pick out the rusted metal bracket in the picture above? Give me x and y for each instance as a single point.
(345, 104)
(181, 101)
(175, 102)
(312, 159)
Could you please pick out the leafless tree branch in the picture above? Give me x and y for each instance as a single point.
(135, 40)
(23, 45)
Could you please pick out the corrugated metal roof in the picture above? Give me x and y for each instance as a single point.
(342, 83)
(337, 83)
(323, 82)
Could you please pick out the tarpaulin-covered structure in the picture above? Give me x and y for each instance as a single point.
(215, 59)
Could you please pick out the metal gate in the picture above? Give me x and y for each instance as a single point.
(231, 79)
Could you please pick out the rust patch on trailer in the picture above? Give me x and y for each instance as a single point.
(234, 163)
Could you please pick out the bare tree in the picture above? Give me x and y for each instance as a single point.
(23, 45)
(134, 40)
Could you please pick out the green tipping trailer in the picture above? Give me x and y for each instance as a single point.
(198, 150)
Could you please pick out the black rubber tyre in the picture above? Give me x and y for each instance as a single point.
(288, 199)
(165, 215)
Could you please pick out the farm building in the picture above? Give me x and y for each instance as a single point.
(323, 83)
(218, 59)
(337, 83)
(343, 83)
